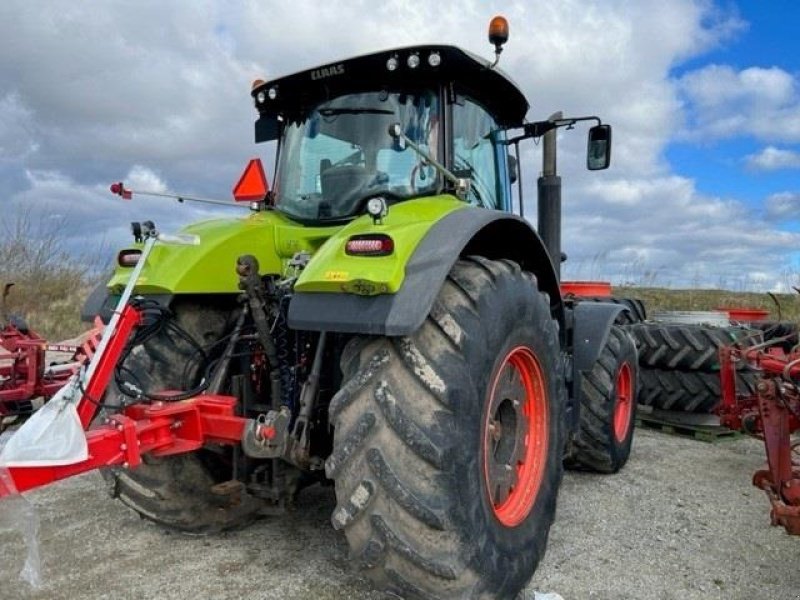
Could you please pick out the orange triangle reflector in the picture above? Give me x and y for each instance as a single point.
(252, 186)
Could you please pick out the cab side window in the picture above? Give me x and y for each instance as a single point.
(474, 155)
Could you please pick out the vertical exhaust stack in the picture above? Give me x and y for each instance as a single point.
(549, 198)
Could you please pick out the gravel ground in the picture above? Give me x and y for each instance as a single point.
(681, 522)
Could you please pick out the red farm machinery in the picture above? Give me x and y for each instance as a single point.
(26, 378)
(771, 413)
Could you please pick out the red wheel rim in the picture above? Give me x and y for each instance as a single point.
(624, 405)
(515, 436)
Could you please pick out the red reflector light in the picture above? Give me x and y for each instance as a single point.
(119, 190)
(369, 245)
(128, 258)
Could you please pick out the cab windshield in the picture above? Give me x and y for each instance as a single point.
(340, 154)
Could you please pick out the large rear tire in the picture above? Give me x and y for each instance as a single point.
(180, 492)
(608, 406)
(448, 443)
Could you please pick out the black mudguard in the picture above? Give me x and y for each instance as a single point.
(590, 325)
(99, 303)
(477, 231)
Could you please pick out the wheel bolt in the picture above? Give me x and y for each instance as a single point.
(495, 430)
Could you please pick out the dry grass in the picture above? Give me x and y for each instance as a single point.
(658, 299)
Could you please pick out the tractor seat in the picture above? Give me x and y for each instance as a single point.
(343, 187)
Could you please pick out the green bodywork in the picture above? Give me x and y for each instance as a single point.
(209, 268)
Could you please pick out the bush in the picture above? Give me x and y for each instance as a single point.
(50, 282)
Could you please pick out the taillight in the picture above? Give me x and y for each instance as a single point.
(128, 258)
(375, 244)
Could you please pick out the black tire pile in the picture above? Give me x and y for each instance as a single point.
(636, 310)
(679, 364)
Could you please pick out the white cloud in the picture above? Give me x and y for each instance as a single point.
(158, 93)
(662, 231)
(724, 102)
(17, 129)
(783, 206)
(142, 178)
(773, 159)
(93, 219)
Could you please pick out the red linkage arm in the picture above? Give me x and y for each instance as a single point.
(96, 387)
(161, 429)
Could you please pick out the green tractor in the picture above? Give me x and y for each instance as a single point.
(387, 323)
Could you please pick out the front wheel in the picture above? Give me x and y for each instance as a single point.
(448, 443)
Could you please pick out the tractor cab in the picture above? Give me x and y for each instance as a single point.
(398, 124)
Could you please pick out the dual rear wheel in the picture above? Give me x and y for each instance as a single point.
(608, 392)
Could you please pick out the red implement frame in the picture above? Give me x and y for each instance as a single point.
(160, 428)
(23, 374)
(772, 414)
(23, 364)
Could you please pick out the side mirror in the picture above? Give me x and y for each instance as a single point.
(598, 154)
(267, 129)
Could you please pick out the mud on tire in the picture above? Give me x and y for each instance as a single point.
(608, 405)
(178, 492)
(411, 427)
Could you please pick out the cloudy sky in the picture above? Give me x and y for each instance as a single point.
(704, 98)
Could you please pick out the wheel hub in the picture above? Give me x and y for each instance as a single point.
(624, 404)
(515, 436)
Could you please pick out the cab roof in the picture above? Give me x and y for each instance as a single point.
(297, 93)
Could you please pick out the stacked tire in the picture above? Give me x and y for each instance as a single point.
(679, 364)
(636, 312)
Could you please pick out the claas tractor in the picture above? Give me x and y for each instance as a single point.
(383, 319)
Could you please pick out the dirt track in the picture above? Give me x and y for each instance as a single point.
(680, 522)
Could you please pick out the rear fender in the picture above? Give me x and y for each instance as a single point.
(463, 232)
(591, 325)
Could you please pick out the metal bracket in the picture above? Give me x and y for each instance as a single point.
(268, 435)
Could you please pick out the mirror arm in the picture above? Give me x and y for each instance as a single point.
(539, 128)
